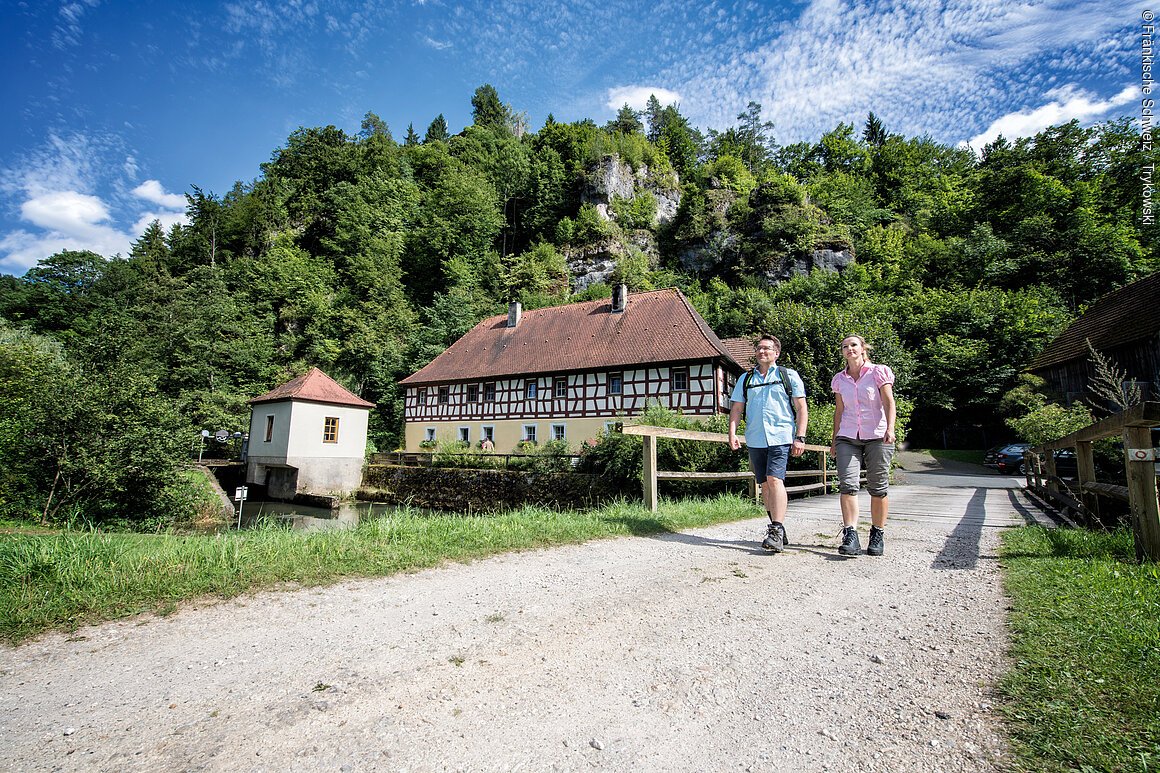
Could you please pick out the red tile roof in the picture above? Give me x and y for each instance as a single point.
(1123, 316)
(655, 327)
(741, 349)
(316, 387)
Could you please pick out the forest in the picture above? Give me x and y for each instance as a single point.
(366, 256)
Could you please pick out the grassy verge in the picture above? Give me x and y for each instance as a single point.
(64, 580)
(1083, 692)
(956, 455)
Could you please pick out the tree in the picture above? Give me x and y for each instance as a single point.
(412, 138)
(373, 126)
(486, 108)
(437, 131)
(654, 116)
(873, 134)
(627, 121)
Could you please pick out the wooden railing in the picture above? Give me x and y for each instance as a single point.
(1135, 427)
(650, 474)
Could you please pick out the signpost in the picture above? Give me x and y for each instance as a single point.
(240, 494)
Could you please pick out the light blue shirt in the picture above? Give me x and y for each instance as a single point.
(769, 418)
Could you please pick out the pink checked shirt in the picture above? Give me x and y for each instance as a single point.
(864, 417)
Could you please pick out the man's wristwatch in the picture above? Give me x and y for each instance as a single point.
(800, 438)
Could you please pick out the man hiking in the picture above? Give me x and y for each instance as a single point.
(773, 400)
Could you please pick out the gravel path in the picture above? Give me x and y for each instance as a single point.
(685, 652)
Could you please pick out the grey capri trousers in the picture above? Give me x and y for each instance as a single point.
(853, 455)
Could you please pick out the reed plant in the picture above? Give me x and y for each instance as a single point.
(62, 580)
(1082, 691)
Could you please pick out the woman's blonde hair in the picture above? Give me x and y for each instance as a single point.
(866, 348)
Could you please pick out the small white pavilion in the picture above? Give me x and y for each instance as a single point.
(308, 436)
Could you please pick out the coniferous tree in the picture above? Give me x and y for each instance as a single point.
(437, 131)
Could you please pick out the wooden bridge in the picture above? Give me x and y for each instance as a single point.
(1133, 426)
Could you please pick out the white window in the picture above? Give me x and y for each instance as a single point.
(489, 432)
(530, 390)
(558, 432)
(444, 395)
(421, 396)
(430, 433)
(680, 380)
(561, 387)
(465, 434)
(530, 432)
(473, 393)
(489, 392)
(615, 383)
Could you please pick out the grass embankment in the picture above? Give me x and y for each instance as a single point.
(63, 580)
(956, 455)
(1082, 693)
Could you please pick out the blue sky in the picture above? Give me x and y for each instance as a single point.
(113, 109)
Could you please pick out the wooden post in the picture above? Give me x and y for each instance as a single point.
(825, 471)
(1142, 496)
(1052, 477)
(649, 472)
(1085, 466)
(754, 490)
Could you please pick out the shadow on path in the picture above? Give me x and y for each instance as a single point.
(961, 549)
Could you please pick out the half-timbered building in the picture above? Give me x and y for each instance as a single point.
(568, 372)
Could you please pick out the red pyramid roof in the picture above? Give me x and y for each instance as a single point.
(316, 387)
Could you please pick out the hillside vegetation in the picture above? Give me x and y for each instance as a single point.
(366, 257)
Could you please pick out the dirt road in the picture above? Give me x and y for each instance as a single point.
(685, 652)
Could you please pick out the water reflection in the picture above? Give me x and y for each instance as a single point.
(307, 518)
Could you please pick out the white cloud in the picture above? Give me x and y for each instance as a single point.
(938, 67)
(151, 190)
(71, 191)
(438, 45)
(1071, 104)
(636, 97)
(67, 211)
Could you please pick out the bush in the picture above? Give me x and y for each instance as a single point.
(636, 213)
(619, 457)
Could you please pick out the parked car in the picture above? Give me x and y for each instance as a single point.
(1007, 459)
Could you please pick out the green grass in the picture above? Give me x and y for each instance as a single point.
(59, 581)
(1083, 692)
(955, 455)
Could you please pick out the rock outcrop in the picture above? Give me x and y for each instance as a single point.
(610, 178)
(594, 263)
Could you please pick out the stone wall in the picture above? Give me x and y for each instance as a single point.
(467, 490)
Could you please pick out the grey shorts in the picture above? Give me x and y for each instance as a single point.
(854, 455)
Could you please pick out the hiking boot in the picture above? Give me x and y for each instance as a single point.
(851, 546)
(774, 538)
(876, 545)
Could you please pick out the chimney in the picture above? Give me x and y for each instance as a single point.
(619, 298)
(514, 312)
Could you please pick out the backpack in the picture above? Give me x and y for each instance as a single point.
(783, 375)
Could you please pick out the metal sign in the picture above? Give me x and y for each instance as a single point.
(241, 493)
(1143, 454)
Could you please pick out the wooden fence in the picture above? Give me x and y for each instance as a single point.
(1135, 427)
(650, 474)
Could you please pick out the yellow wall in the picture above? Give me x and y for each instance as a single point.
(507, 432)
